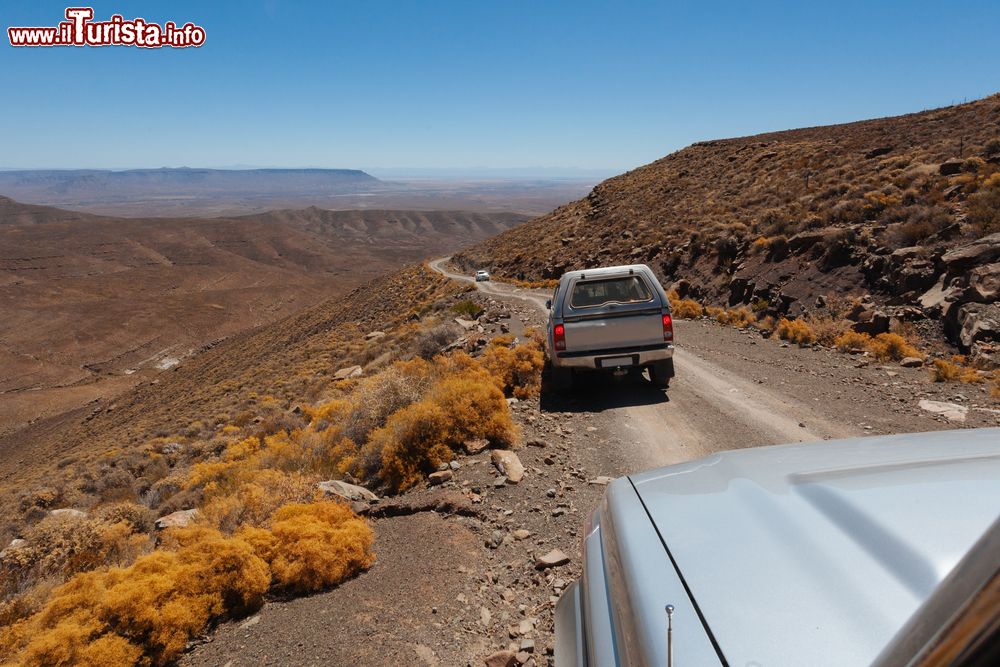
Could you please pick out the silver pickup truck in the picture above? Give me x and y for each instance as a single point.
(610, 319)
(881, 551)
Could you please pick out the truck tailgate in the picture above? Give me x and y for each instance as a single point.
(610, 331)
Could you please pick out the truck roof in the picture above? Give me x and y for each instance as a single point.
(823, 551)
(605, 270)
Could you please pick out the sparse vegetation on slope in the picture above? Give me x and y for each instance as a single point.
(98, 585)
(884, 208)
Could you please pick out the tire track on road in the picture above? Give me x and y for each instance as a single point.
(707, 409)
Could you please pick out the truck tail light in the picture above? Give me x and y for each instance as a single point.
(668, 327)
(559, 336)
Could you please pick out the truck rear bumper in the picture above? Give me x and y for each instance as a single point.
(614, 358)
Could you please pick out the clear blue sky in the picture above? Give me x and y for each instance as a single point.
(502, 83)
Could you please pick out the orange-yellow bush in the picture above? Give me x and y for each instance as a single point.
(61, 546)
(852, 340)
(256, 498)
(892, 347)
(516, 371)
(737, 317)
(685, 309)
(151, 608)
(947, 371)
(795, 331)
(828, 329)
(311, 546)
(463, 405)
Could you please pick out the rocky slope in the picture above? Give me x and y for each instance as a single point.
(901, 213)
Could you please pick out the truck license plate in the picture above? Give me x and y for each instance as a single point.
(612, 362)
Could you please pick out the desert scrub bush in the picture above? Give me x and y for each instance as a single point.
(255, 499)
(892, 347)
(430, 342)
(685, 309)
(828, 329)
(146, 612)
(462, 405)
(737, 317)
(312, 546)
(795, 331)
(60, 546)
(467, 308)
(517, 370)
(983, 208)
(945, 371)
(954, 371)
(377, 397)
(852, 341)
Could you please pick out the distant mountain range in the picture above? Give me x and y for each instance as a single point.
(82, 186)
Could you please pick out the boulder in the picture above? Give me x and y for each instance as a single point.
(986, 353)
(375, 335)
(950, 167)
(950, 411)
(911, 362)
(878, 152)
(465, 324)
(872, 322)
(178, 519)
(978, 322)
(984, 283)
(341, 489)
(554, 558)
(501, 659)
(69, 513)
(508, 464)
(938, 300)
(440, 477)
(348, 373)
(978, 252)
(914, 275)
(807, 239)
(474, 446)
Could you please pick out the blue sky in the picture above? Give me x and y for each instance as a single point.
(511, 83)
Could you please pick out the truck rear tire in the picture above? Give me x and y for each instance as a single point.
(660, 373)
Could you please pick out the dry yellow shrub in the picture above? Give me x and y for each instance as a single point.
(892, 347)
(253, 501)
(461, 406)
(795, 331)
(737, 317)
(828, 329)
(945, 371)
(150, 608)
(516, 371)
(313, 546)
(852, 340)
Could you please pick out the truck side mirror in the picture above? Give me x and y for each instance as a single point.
(548, 304)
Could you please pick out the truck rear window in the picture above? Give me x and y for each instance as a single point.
(627, 289)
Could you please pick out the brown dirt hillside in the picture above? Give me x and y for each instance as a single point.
(248, 375)
(886, 208)
(94, 304)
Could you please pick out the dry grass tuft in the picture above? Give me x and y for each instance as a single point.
(795, 331)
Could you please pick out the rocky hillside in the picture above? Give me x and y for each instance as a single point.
(902, 214)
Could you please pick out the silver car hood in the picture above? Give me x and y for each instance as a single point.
(818, 554)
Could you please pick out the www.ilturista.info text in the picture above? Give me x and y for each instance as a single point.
(81, 30)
